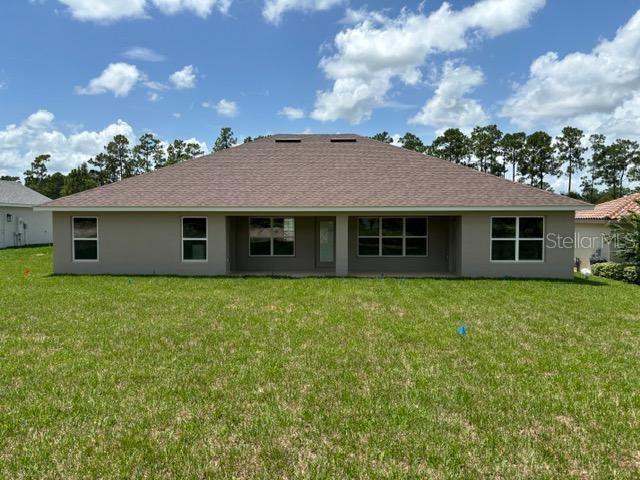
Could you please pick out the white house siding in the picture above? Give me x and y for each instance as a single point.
(13, 234)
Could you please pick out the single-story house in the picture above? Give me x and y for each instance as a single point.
(315, 204)
(593, 226)
(19, 224)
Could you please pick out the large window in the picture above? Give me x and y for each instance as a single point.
(517, 239)
(272, 236)
(392, 236)
(194, 239)
(85, 239)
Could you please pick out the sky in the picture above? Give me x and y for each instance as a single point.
(73, 73)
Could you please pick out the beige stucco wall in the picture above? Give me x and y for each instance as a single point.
(38, 231)
(590, 237)
(476, 244)
(140, 243)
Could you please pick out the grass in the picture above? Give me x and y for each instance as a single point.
(159, 377)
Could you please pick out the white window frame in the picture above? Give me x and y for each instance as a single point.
(404, 238)
(517, 238)
(73, 240)
(206, 239)
(271, 254)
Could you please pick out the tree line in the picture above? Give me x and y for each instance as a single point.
(536, 157)
(118, 160)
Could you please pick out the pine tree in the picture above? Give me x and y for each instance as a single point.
(570, 151)
(539, 160)
(225, 140)
(512, 149)
(78, 180)
(485, 146)
(383, 137)
(412, 142)
(452, 145)
(145, 152)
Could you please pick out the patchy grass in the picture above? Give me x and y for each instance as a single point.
(157, 377)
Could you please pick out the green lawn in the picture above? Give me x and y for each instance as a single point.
(160, 377)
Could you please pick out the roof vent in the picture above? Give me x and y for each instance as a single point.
(288, 140)
(343, 140)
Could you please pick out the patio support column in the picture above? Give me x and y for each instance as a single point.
(218, 244)
(342, 245)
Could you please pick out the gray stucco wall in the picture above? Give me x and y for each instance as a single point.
(476, 244)
(150, 243)
(38, 231)
(438, 257)
(140, 243)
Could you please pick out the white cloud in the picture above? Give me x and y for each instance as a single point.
(274, 9)
(599, 90)
(39, 120)
(449, 107)
(185, 78)
(153, 96)
(378, 50)
(292, 113)
(118, 78)
(203, 145)
(20, 144)
(157, 86)
(38, 134)
(107, 11)
(201, 8)
(143, 54)
(226, 108)
(176, 115)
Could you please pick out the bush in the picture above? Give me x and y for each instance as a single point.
(626, 235)
(631, 274)
(617, 271)
(611, 270)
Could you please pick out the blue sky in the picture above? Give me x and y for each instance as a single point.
(75, 72)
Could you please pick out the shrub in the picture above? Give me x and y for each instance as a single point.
(626, 235)
(617, 271)
(611, 270)
(631, 274)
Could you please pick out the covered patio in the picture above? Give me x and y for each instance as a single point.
(366, 245)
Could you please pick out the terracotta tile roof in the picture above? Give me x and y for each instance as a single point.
(14, 193)
(315, 172)
(613, 210)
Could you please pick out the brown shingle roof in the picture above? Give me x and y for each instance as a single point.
(315, 172)
(612, 210)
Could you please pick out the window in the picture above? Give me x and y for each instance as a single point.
(517, 239)
(392, 236)
(194, 239)
(272, 236)
(85, 239)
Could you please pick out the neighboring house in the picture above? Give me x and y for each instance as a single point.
(593, 226)
(315, 204)
(19, 224)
